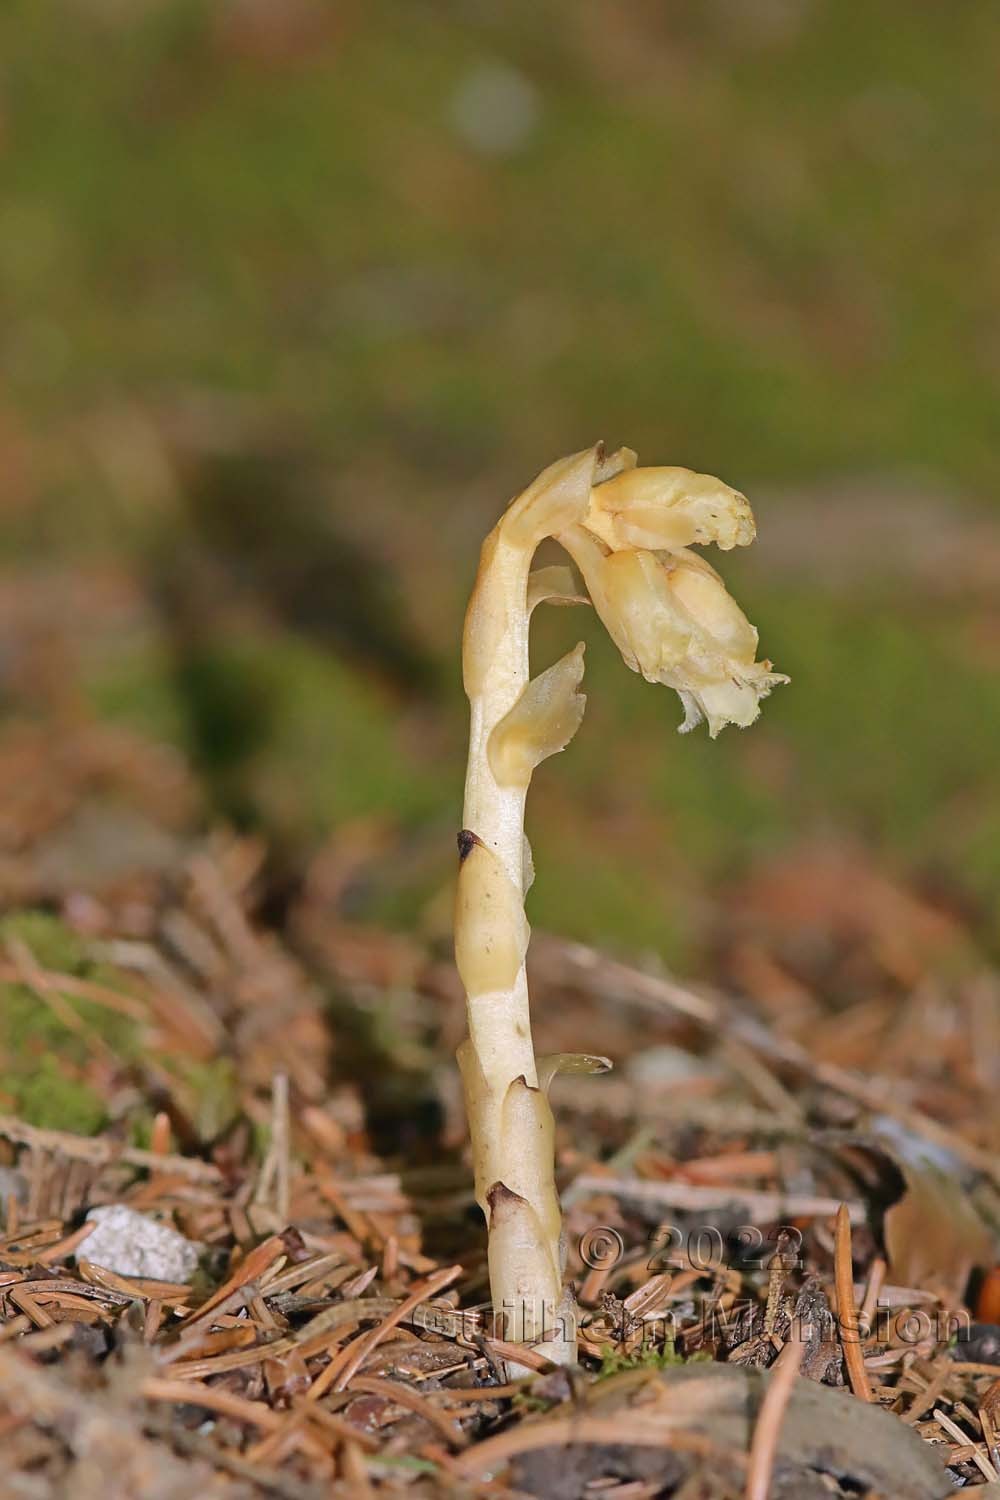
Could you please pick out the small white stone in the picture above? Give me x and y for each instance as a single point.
(130, 1244)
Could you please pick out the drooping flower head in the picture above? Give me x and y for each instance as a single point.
(664, 606)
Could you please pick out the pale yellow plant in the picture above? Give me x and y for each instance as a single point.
(629, 531)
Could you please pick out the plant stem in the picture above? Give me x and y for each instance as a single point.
(500, 1026)
(509, 1115)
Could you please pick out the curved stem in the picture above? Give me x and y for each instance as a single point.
(500, 1024)
(509, 1116)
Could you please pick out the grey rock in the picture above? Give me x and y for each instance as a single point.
(131, 1244)
(830, 1443)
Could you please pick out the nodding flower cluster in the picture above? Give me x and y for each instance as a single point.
(629, 531)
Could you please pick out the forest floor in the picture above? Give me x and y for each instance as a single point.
(792, 1169)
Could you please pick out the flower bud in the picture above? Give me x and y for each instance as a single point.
(629, 592)
(673, 621)
(697, 588)
(668, 508)
(720, 679)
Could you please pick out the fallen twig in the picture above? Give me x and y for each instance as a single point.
(100, 1152)
(696, 1196)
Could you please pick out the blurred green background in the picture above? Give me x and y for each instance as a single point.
(297, 294)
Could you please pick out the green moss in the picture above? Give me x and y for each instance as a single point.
(50, 1098)
(613, 1362)
(335, 751)
(54, 945)
(289, 736)
(135, 685)
(26, 1020)
(43, 1060)
(214, 1087)
(646, 1358)
(206, 1091)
